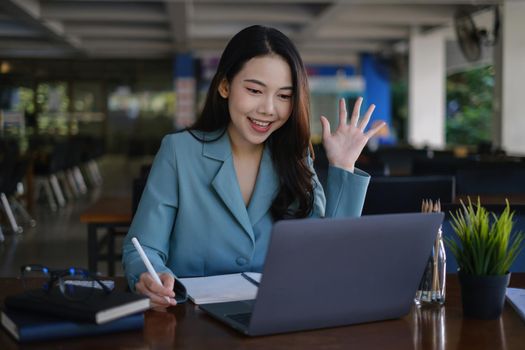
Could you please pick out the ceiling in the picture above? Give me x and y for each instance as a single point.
(325, 31)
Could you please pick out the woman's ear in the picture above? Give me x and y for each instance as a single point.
(224, 88)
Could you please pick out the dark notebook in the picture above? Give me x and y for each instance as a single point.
(98, 308)
(27, 327)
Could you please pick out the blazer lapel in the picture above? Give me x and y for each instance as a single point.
(225, 181)
(266, 188)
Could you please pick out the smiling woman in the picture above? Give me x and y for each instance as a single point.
(259, 101)
(216, 189)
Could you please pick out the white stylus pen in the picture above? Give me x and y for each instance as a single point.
(146, 261)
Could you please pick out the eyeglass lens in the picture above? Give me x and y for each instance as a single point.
(35, 276)
(76, 284)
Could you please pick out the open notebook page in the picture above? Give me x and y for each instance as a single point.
(221, 288)
(516, 297)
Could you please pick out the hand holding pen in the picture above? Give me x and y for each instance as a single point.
(158, 287)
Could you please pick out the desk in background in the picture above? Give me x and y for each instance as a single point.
(186, 327)
(113, 217)
(487, 199)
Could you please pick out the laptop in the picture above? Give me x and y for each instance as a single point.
(323, 273)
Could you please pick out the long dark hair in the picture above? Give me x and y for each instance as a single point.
(289, 145)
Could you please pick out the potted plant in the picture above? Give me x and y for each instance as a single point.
(485, 248)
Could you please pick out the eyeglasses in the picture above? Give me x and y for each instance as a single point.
(74, 283)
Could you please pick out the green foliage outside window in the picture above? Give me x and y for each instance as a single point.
(469, 106)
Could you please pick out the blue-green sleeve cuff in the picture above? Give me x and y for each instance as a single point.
(345, 192)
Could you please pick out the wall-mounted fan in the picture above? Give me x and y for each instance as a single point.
(471, 38)
(468, 35)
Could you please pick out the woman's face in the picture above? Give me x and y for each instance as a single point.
(259, 99)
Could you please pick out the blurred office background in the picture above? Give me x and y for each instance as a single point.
(88, 89)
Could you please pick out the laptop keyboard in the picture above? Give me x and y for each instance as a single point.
(243, 319)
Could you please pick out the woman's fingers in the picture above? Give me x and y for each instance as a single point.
(167, 281)
(156, 299)
(366, 118)
(355, 112)
(154, 287)
(326, 127)
(159, 295)
(354, 121)
(343, 114)
(374, 130)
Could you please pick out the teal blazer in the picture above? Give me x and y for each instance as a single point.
(192, 220)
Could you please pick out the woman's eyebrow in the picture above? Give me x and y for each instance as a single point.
(258, 82)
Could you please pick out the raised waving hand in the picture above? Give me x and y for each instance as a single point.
(344, 146)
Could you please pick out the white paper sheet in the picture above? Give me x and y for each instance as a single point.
(221, 288)
(516, 298)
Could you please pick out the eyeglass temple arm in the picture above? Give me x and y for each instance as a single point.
(103, 285)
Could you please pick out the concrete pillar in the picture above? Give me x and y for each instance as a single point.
(513, 77)
(426, 115)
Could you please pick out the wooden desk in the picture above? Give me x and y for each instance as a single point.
(514, 199)
(186, 327)
(108, 215)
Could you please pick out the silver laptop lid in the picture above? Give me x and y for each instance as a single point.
(329, 272)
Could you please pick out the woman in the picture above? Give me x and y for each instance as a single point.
(215, 190)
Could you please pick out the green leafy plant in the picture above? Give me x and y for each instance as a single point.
(470, 96)
(483, 246)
